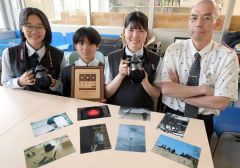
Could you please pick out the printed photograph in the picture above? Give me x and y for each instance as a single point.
(134, 113)
(131, 138)
(94, 138)
(174, 124)
(178, 151)
(50, 124)
(47, 152)
(93, 112)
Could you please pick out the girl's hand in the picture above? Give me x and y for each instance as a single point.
(123, 68)
(27, 79)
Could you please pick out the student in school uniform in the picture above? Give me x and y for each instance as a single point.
(86, 41)
(121, 86)
(19, 62)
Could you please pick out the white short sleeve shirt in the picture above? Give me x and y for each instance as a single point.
(219, 70)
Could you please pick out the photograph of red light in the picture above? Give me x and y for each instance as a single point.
(93, 112)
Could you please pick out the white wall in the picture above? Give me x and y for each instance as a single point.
(166, 36)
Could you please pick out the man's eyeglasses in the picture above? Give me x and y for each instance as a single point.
(205, 19)
(30, 28)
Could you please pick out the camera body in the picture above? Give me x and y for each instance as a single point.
(137, 73)
(43, 81)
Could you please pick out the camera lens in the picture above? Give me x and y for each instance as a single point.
(43, 81)
(136, 70)
(137, 75)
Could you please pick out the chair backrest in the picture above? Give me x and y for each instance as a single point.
(6, 43)
(74, 56)
(110, 43)
(69, 40)
(17, 34)
(227, 121)
(58, 39)
(232, 38)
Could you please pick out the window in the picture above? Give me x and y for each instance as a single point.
(113, 12)
(174, 14)
(2, 26)
(62, 11)
(171, 14)
(103, 12)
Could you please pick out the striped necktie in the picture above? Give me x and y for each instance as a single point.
(35, 57)
(193, 80)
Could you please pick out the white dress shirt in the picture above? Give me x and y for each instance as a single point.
(80, 62)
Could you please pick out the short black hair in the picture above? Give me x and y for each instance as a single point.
(137, 19)
(23, 17)
(87, 32)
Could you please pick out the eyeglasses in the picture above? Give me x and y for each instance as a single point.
(205, 19)
(30, 28)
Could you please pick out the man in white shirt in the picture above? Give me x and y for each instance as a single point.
(218, 78)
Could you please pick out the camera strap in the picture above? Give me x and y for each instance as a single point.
(49, 57)
(22, 55)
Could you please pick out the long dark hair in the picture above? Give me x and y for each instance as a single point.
(23, 17)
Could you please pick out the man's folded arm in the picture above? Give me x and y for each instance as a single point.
(210, 102)
(182, 91)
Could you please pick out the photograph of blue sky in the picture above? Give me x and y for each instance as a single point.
(179, 146)
(131, 138)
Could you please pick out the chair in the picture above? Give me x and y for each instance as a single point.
(110, 43)
(69, 40)
(17, 34)
(227, 121)
(8, 43)
(227, 128)
(75, 56)
(58, 39)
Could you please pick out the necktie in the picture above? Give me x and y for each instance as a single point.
(193, 80)
(35, 57)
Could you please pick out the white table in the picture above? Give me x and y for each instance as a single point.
(20, 108)
(17, 104)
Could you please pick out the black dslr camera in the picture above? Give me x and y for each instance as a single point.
(137, 73)
(43, 81)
